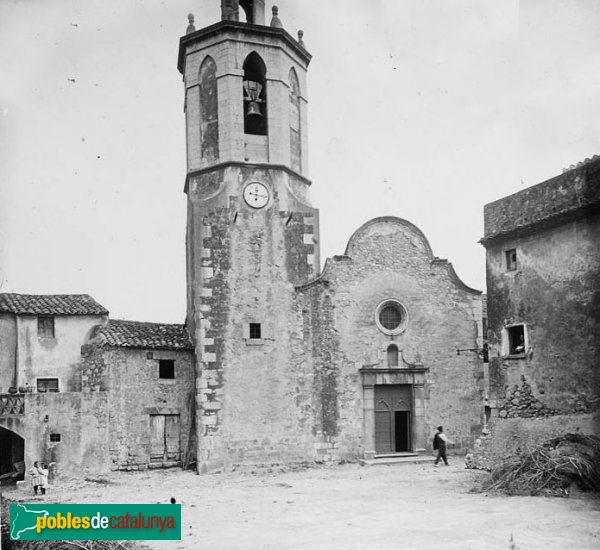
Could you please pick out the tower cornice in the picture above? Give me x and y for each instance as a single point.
(229, 164)
(245, 28)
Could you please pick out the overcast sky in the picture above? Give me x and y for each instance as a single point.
(422, 109)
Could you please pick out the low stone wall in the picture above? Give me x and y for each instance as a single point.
(520, 402)
(510, 436)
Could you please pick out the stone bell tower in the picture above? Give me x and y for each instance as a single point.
(252, 235)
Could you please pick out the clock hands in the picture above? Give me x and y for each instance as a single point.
(257, 195)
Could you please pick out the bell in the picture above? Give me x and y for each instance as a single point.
(254, 109)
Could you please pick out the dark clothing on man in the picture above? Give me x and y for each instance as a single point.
(439, 444)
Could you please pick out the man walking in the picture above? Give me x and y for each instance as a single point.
(439, 444)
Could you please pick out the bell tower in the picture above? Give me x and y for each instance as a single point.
(252, 234)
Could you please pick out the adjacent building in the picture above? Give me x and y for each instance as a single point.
(543, 284)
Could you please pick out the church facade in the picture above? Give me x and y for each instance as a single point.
(279, 361)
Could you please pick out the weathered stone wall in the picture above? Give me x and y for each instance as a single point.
(555, 293)
(390, 258)
(554, 227)
(8, 343)
(81, 420)
(56, 357)
(558, 199)
(129, 378)
(242, 264)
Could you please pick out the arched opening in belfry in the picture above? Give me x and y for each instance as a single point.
(392, 355)
(295, 122)
(248, 9)
(255, 95)
(12, 456)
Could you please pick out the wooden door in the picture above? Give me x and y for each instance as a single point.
(172, 433)
(164, 437)
(393, 418)
(157, 437)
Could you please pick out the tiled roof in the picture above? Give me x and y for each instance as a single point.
(133, 334)
(50, 304)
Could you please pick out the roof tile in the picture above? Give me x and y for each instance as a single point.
(134, 334)
(50, 304)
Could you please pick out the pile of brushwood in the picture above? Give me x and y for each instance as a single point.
(553, 468)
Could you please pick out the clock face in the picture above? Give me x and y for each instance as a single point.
(256, 195)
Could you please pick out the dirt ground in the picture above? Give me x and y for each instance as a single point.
(347, 507)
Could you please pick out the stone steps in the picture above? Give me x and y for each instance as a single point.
(395, 459)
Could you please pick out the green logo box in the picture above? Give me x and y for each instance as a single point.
(42, 521)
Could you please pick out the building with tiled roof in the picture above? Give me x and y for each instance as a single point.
(135, 334)
(50, 304)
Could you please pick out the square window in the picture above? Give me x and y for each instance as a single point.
(166, 368)
(47, 385)
(511, 259)
(54, 438)
(516, 339)
(45, 327)
(255, 332)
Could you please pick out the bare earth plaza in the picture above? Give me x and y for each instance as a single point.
(295, 404)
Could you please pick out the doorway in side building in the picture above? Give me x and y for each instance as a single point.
(165, 438)
(393, 418)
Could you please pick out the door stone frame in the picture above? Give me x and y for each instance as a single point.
(413, 376)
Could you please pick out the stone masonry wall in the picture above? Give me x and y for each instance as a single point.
(129, 380)
(243, 263)
(390, 258)
(81, 420)
(558, 197)
(555, 293)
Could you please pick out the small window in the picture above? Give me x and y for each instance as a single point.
(45, 385)
(511, 260)
(166, 368)
(54, 438)
(392, 355)
(255, 332)
(45, 327)
(516, 339)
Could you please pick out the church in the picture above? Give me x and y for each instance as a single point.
(281, 360)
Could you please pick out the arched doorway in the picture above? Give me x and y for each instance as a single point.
(12, 456)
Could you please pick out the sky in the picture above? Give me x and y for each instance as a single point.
(422, 109)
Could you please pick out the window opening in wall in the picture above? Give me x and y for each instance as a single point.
(488, 414)
(255, 96)
(45, 327)
(255, 331)
(45, 385)
(511, 260)
(516, 339)
(391, 317)
(248, 9)
(392, 355)
(54, 438)
(166, 368)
